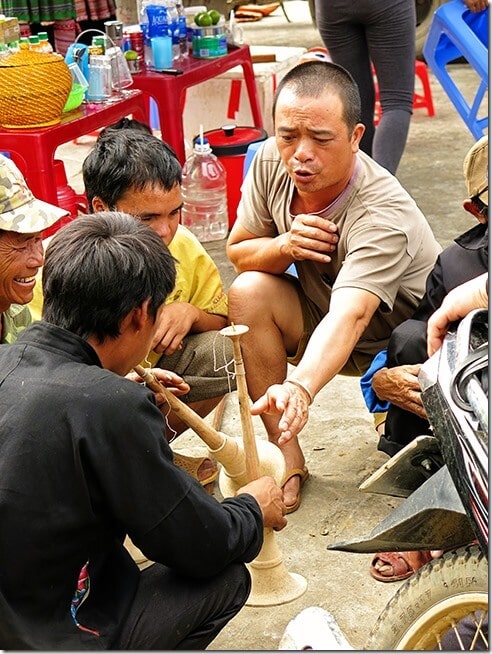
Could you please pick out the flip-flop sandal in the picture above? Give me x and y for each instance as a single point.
(400, 563)
(191, 464)
(264, 10)
(303, 474)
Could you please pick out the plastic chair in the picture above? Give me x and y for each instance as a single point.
(420, 100)
(250, 154)
(455, 32)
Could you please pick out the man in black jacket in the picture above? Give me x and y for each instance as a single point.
(397, 383)
(84, 461)
(466, 258)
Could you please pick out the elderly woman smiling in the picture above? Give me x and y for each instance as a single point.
(22, 219)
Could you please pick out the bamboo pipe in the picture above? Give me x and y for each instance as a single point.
(271, 583)
(211, 436)
(227, 450)
(234, 333)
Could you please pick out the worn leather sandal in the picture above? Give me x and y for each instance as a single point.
(191, 465)
(303, 474)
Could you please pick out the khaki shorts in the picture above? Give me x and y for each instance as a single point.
(204, 363)
(358, 362)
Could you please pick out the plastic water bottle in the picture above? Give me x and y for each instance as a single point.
(144, 26)
(173, 20)
(44, 43)
(204, 189)
(183, 30)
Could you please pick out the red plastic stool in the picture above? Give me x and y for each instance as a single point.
(420, 100)
(423, 100)
(67, 199)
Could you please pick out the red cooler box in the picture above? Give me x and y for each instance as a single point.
(229, 144)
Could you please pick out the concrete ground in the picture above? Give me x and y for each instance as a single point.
(339, 441)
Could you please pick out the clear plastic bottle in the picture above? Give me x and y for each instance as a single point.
(204, 189)
(173, 21)
(34, 44)
(144, 26)
(44, 42)
(183, 30)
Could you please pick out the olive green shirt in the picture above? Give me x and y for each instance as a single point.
(14, 320)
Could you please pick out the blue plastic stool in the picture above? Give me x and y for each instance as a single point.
(250, 154)
(154, 115)
(455, 32)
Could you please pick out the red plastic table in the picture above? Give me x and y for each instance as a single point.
(33, 150)
(168, 91)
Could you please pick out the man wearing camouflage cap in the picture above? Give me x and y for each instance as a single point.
(22, 219)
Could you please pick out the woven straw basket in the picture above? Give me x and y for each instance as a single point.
(34, 87)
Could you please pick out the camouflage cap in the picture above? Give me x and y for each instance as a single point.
(476, 170)
(20, 211)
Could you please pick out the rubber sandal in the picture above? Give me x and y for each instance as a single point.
(191, 464)
(303, 474)
(264, 10)
(401, 564)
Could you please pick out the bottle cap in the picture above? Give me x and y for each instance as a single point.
(202, 146)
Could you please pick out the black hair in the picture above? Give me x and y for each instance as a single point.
(312, 78)
(126, 123)
(100, 267)
(127, 159)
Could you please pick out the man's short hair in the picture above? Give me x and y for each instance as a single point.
(128, 159)
(312, 78)
(100, 267)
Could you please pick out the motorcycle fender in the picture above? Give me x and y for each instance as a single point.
(431, 518)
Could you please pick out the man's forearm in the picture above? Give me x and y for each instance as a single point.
(265, 254)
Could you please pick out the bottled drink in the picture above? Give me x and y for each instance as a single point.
(173, 21)
(34, 43)
(183, 30)
(144, 26)
(44, 43)
(204, 189)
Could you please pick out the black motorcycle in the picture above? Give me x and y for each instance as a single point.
(444, 478)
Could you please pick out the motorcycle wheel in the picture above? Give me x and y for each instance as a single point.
(443, 597)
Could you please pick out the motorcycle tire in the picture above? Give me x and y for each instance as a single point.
(449, 594)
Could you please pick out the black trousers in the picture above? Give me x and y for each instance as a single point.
(407, 345)
(171, 611)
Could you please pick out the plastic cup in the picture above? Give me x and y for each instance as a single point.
(162, 52)
(121, 75)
